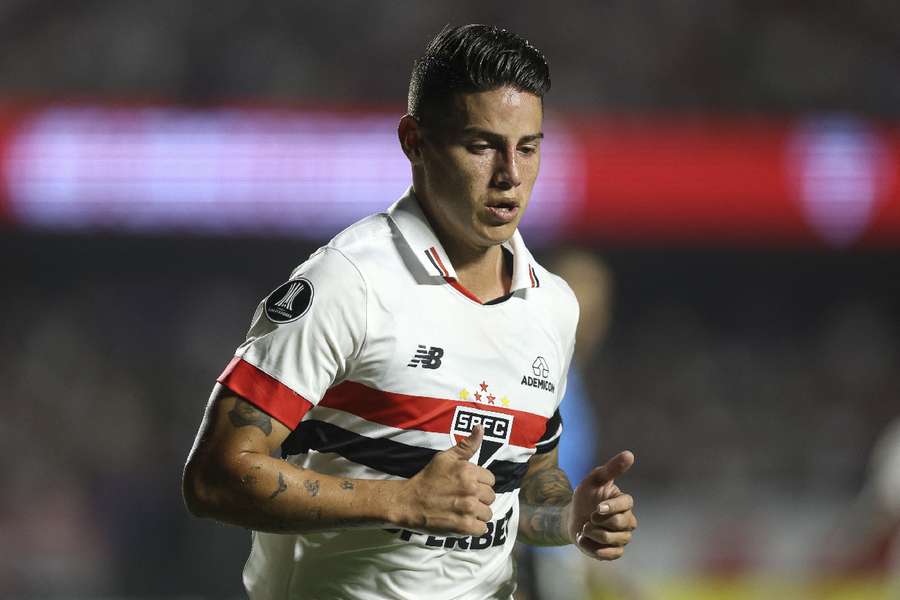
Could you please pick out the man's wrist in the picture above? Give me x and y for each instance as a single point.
(567, 526)
(384, 502)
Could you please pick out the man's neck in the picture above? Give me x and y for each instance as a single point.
(486, 273)
(481, 270)
(488, 277)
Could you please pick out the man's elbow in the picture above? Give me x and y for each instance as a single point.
(199, 495)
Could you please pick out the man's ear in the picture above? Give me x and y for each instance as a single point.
(410, 135)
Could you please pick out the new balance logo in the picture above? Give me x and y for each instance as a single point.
(429, 358)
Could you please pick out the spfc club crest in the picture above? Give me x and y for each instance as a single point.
(497, 430)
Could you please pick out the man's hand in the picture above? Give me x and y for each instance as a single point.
(601, 520)
(450, 495)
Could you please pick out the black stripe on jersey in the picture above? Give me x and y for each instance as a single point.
(545, 444)
(387, 456)
(431, 258)
(534, 273)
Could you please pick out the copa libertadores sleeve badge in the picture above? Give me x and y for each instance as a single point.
(289, 301)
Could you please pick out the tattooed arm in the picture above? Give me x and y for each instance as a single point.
(233, 475)
(544, 502)
(597, 517)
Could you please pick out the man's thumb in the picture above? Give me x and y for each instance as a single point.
(468, 446)
(613, 468)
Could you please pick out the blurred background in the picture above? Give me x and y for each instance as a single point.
(725, 176)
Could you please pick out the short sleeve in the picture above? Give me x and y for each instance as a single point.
(303, 338)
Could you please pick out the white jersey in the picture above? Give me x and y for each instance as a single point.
(377, 358)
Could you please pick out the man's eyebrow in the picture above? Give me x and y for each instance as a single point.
(490, 135)
(533, 137)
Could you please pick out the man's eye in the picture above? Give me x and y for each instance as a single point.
(478, 147)
(527, 149)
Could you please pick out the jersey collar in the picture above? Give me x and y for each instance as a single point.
(407, 215)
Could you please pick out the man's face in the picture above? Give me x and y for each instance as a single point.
(479, 165)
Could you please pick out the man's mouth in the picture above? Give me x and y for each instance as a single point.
(503, 211)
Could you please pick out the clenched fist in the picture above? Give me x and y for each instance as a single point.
(601, 519)
(450, 495)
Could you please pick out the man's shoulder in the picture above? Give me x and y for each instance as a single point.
(367, 239)
(358, 248)
(364, 235)
(556, 286)
(559, 298)
(352, 249)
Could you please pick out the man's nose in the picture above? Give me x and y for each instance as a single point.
(506, 175)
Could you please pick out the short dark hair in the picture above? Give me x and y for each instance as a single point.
(475, 58)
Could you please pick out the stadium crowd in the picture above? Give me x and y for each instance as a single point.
(722, 57)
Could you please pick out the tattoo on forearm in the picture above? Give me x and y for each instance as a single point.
(542, 525)
(312, 486)
(544, 494)
(549, 486)
(245, 414)
(282, 486)
(346, 484)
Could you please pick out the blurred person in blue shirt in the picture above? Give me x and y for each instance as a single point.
(559, 574)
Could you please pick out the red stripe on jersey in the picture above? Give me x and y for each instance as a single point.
(265, 392)
(462, 290)
(423, 413)
(439, 261)
(531, 275)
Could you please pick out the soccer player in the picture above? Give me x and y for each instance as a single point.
(389, 426)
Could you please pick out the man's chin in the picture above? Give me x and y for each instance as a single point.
(498, 234)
